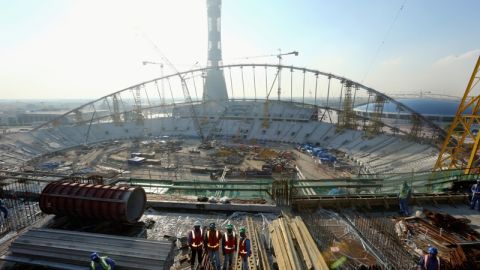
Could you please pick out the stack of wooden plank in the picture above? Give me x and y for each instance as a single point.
(294, 246)
(61, 249)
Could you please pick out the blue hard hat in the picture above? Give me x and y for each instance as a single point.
(94, 256)
(432, 250)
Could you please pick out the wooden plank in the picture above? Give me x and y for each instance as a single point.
(301, 244)
(282, 264)
(314, 252)
(287, 239)
(284, 246)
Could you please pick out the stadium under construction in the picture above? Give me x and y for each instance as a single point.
(314, 179)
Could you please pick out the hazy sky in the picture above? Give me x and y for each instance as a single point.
(87, 49)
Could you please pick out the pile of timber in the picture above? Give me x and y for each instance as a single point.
(294, 246)
(457, 243)
(61, 249)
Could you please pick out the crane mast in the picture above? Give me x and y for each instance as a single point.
(459, 150)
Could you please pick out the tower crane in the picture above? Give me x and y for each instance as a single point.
(186, 92)
(279, 56)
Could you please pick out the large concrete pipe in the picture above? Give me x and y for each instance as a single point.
(124, 204)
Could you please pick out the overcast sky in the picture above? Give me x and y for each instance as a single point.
(87, 49)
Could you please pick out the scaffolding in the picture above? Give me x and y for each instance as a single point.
(460, 147)
(416, 129)
(138, 106)
(347, 116)
(376, 125)
(116, 111)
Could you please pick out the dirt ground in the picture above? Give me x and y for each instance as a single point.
(311, 170)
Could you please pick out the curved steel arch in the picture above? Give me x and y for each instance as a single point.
(433, 126)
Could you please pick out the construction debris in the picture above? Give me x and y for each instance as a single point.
(458, 245)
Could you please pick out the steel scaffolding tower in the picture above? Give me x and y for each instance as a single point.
(460, 147)
(347, 117)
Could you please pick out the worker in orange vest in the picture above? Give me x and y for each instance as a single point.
(229, 246)
(212, 243)
(244, 250)
(195, 242)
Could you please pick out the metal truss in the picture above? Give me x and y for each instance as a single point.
(322, 90)
(460, 147)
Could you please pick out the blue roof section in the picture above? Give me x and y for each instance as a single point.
(426, 106)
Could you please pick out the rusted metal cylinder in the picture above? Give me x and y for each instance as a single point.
(124, 204)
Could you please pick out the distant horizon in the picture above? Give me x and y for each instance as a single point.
(295, 98)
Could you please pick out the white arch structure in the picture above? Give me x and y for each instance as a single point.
(309, 106)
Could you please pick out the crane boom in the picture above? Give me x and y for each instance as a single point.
(279, 76)
(186, 92)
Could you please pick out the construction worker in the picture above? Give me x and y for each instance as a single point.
(244, 250)
(475, 195)
(430, 261)
(404, 197)
(101, 262)
(195, 242)
(212, 243)
(229, 246)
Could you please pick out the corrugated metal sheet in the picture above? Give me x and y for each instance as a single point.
(61, 249)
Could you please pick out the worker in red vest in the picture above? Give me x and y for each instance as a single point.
(244, 250)
(229, 246)
(212, 244)
(430, 261)
(195, 242)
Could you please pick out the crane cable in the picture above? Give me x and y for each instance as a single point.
(387, 34)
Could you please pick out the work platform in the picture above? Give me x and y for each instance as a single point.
(368, 201)
(69, 250)
(207, 206)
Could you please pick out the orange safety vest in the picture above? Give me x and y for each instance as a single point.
(242, 249)
(426, 261)
(230, 243)
(197, 241)
(213, 240)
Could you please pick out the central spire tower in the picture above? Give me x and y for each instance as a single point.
(215, 87)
